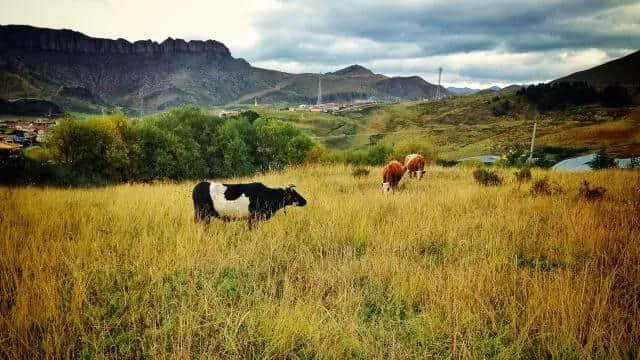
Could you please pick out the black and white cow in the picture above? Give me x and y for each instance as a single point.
(252, 201)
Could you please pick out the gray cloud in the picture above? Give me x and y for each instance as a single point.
(331, 33)
(476, 41)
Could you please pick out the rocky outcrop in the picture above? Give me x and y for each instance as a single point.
(67, 41)
(87, 74)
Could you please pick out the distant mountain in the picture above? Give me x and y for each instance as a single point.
(412, 88)
(467, 90)
(85, 74)
(462, 90)
(624, 71)
(489, 90)
(353, 70)
(511, 88)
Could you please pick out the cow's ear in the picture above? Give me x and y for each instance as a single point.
(291, 186)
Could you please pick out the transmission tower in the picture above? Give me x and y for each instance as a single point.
(319, 89)
(438, 88)
(140, 93)
(255, 101)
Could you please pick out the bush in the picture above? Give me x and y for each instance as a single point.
(589, 193)
(486, 178)
(360, 171)
(544, 187)
(446, 163)
(502, 108)
(523, 175)
(422, 147)
(602, 161)
(373, 155)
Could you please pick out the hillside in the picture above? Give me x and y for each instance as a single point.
(84, 74)
(477, 124)
(624, 71)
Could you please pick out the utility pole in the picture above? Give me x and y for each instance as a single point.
(533, 138)
(255, 101)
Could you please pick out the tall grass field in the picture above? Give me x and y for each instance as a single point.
(444, 268)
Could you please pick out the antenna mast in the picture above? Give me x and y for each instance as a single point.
(319, 89)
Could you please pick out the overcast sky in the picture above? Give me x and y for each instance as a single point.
(477, 42)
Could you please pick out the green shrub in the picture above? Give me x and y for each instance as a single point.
(373, 155)
(486, 177)
(602, 161)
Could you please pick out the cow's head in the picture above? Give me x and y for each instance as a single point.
(386, 187)
(292, 197)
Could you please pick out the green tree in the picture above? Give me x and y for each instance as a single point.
(279, 144)
(602, 161)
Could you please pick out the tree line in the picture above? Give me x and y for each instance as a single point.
(184, 143)
(555, 96)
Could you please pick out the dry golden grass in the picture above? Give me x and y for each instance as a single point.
(623, 136)
(443, 269)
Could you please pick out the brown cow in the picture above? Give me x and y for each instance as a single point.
(391, 175)
(414, 163)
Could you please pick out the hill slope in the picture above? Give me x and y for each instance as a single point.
(623, 71)
(87, 73)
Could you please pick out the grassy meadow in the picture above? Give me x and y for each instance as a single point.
(444, 268)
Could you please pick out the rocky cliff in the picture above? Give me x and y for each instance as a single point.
(86, 74)
(29, 38)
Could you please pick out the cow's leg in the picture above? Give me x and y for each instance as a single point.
(253, 221)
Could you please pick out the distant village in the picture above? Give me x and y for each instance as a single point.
(17, 133)
(334, 107)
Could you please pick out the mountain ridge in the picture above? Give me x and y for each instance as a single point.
(73, 69)
(623, 71)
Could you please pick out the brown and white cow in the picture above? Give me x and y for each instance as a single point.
(415, 163)
(391, 175)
